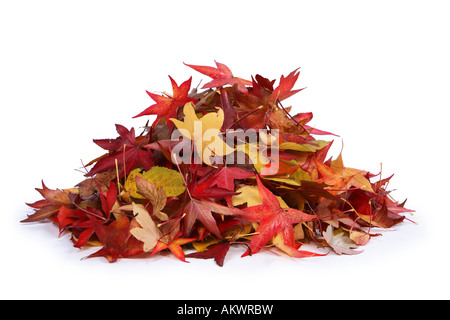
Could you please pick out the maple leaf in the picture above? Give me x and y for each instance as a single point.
(216, 252)
(252, 196)
(203, 188)
(358, 178)
(252, 109)
(284, 89)
(229, 113)
(167, 106)
(108, 199)
(221, 76)
(272, 220)
(126, 151)
(174, 246)
(50, 205)
(100, 181)
(202, 210)
(340, 243)
(285, 244)
(199, 129)
(225, 176)
(117, 240)
(149, 234)
(155, 195)
(80, 222)
(376, 209)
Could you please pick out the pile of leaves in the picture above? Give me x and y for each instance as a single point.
(138, 200)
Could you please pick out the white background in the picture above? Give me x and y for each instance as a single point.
(377, 74)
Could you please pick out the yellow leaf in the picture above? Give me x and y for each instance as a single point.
(256, 157)
(130, 184)
(357, 177)
(298, 232)
(201, 246)
(170, 180)
(238, 232)
(300, 174)
(204, 132)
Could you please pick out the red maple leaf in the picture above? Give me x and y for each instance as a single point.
(127, 150)
(204, 187)
(117, 240)
(216, 252)
(225, 176)
(202, 210)
(221, 76)
(284, 89)
(167, 106)
(80, 222)
(272, 220)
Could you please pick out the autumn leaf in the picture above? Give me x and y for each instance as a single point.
(358, 178)
(221, 76)
(216, 252)
(167, 179)
(258, 159)
(285, 244)
(272, 220)
(339, 242)
(313, 146)
(284, 89)
(108, 199)
(125, 152)
(226, 175)
(100, 181)
(202, 131)
(117, 241)
(167, 106)
(228, 110)
(375, 209)
(155, 195)
(252, 197)
(81, 222)
(202, 210)
(149, 232)
(50, 205)
(175, 246)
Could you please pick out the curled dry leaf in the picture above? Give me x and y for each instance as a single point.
(155, 194)
(340, 242)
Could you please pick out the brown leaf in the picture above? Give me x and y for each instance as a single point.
(55, 197)
(155, 195)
